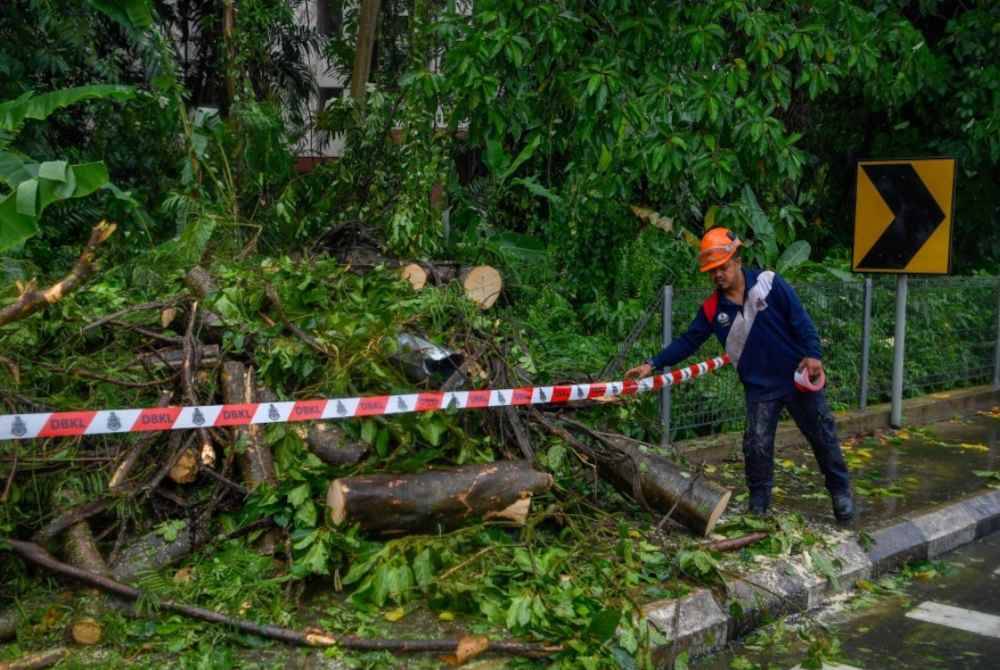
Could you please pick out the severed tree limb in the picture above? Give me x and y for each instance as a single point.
(35, 554)
(735, 543)
(33, 300)
(125, 467)
(36, 661)
(71, 517)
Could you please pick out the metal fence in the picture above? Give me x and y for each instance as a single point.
(952, 340)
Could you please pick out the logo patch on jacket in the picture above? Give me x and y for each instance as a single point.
(723, 319)
(761, 304)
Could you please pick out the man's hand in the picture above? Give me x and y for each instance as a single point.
(639, 371)
(812, 366)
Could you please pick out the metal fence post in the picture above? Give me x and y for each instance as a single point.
(899, 345)
(866, 344)
(996, 347)
(668, 318)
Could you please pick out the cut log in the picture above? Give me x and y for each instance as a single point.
(695, 502)
(435, 498)
(330, 444)
(185, 468)
(256, 462)
(482, 285)
(150, 553)
(86, 630)
(37, 660)
(415, 274)
(82, 552)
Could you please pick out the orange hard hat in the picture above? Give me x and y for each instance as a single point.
(717, 246)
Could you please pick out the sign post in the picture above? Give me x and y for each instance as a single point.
(903, 214)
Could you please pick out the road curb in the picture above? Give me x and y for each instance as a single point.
(707, 621)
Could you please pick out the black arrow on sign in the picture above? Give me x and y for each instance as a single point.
(918, 215)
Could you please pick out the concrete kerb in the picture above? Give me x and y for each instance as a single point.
(705, 623)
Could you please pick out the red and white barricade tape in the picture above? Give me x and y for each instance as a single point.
(102, 422)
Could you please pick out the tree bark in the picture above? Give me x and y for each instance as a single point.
(367, 22)
(330, 444)
(36, 661)
(82, 552)
(256, 463)
(151, 552)
(688, 499)
(435, 498)
(32, 300)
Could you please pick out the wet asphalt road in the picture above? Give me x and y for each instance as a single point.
(950, 622)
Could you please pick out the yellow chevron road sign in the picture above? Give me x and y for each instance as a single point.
(903, 216)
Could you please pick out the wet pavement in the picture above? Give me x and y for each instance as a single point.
(946, 617)
(893, 473)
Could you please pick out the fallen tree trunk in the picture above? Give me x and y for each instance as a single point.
(652, 480)
(31, 299)
(37, 660)
(33, 553)
(256, 463)
(436, 498)
(688, 499)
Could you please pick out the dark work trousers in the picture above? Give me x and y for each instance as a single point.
(812, 416)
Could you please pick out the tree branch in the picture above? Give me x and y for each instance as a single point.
(33, 300)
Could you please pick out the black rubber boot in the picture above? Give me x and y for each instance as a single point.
(759, 503)
(843, 507)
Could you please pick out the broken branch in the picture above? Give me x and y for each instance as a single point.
(33, 300)
(37, 555)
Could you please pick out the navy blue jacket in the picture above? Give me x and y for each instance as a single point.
(766, 337)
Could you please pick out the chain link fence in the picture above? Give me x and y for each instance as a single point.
(951, 342)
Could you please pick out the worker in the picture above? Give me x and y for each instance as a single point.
(771, 342)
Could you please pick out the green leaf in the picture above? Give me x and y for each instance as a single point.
(298, 495)
(423, 568)
(536, 189)
(681, 662)
(519, 612)
(496, 158)
(604, 623)
(796, 254)
(525, 154)
(39, 107)
(432, 428)
(713, 212)
(21, 210)
(27, 196)
(169, 530)
(133, 14)
(368, 431)
(306, 514)
(53, 170)
(316, 559)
